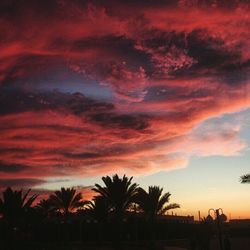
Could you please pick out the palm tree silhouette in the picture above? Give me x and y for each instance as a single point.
(98, 208)
(245, 178)
(118, 192)
(154, 202)
(66, 200)
(15, 204)
(45, 207)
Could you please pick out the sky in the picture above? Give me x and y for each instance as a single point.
(158, 90)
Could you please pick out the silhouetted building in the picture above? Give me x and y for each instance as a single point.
(177, 218)
(240, 223)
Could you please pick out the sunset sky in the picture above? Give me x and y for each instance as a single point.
(158, 90)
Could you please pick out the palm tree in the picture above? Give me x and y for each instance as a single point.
(99, 208)
(15, 204)
(153, 202)
(118, 192)
(245, 178)
(66, 200)
(45, 207)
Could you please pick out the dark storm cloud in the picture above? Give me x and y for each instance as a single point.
(83, 155)
(167, 93)
(121, 121)
(15, 101)
(144, 4)
(18, 8)
(11, 168)
(20, 182)
(209, 51)
(204, 54)
(119, 46)
(11, 7)
(79, 104)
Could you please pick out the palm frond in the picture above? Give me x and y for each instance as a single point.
(245, 178)
(154, 202)
(118, 192)
(66, 200)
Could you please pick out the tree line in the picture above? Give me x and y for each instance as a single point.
(114, 199)
(120, 212)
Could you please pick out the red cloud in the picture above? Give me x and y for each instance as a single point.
(168, 69)
(55, 143)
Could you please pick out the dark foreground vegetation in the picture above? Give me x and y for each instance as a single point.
(121, 216)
